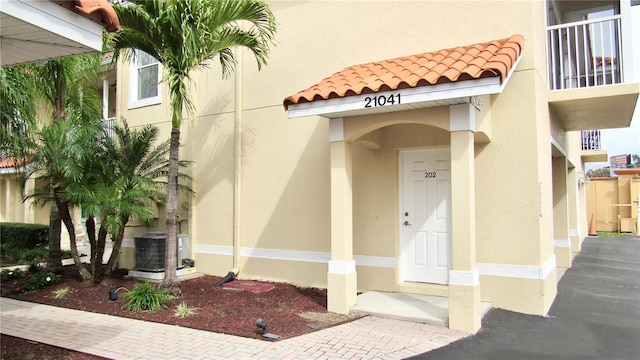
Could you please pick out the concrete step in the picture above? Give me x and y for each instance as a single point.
(418, 308)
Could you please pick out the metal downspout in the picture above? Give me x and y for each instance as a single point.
(237, 186)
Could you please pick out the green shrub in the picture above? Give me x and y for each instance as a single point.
(19, 281)
(24, 255)
(34, 255)
(8, 275)
(145, 297)
(23, 242)
(39, 280)
(23, 236)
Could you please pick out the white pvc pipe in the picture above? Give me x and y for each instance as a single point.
(237, 185)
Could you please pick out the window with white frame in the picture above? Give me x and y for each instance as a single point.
(144, 76)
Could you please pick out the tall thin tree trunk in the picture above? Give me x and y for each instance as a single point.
(54, 257)
(54, 262)
(170, 281)
(96, 262)
(91, 234)
(65, 215)
(117, 244)
(95, 266)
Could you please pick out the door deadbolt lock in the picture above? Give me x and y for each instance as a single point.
(406, 214)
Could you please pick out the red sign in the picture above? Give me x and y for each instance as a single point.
(618, 161)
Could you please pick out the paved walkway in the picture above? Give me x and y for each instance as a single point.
(121, 338)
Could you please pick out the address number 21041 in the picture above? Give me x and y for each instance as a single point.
(381, 100)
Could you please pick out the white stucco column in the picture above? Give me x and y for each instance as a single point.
(341, 278)
(562, 243)
(464, 279)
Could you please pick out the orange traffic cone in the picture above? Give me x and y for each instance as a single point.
(592, 227)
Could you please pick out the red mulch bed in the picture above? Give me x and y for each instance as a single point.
(229, 311)
(14, 348)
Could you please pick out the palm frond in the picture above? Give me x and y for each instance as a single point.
(184, 34)
(17, 113)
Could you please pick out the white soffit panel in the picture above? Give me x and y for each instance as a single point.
(34, 30)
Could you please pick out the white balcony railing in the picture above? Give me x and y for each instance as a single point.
(591, 140)
(109, 126)
(585, 53)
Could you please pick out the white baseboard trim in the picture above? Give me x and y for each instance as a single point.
(462, 277)
(295, 255)
(518, 271)
(342, 267)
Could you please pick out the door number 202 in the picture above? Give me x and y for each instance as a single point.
(430, 174)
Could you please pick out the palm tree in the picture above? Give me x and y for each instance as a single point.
(64, 148)
(65, 85)
(129, 174)
(183, 35)
(142, 171)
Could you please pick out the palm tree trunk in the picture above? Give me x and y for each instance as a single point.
(91, 234)
(65, 215)
(117, 244)
(170, 281)
(96, 262)
(54, 257)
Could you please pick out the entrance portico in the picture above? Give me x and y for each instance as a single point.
(463, 99)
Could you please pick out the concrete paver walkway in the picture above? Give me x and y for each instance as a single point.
(121, 338)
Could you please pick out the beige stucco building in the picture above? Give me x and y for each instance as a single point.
(366, 157)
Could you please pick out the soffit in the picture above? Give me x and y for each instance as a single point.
(32, 30)
(594, 156)
(597, 107)
(437, 78)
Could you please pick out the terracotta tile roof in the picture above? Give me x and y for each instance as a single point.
(99, 11)
(11, 162)
(490, 59)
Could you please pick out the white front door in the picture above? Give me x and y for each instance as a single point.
(425, 218)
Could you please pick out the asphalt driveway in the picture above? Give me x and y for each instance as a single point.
(596, 314)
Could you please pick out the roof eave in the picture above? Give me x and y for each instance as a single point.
(40, 30)
(409, 99)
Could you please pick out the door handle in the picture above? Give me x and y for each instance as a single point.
(406, 223)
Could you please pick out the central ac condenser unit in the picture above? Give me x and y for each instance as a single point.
(150, 251)
(151, 248)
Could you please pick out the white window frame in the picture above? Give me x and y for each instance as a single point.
(134, 101)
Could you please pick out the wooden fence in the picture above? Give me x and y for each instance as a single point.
(614, 201)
